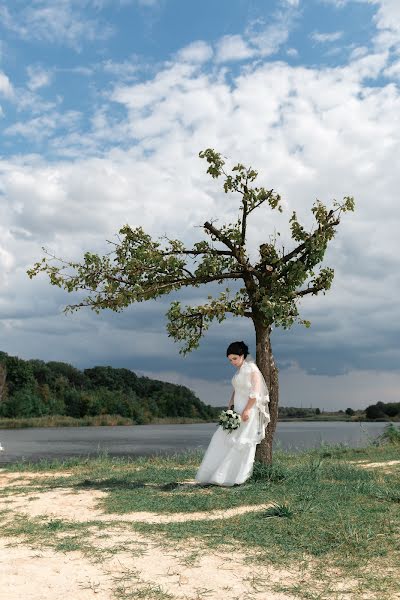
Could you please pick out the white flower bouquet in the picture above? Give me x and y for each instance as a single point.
(229, 420)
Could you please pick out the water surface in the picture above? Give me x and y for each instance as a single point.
(34, 444)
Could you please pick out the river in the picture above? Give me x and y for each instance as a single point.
(34, 444)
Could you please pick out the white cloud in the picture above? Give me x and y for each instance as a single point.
(183, 110)
(393, 71)
(124, 70)
(43, 126)
(340, 3)
(311, 133)
(6, 88)
(260, 39)
(56, 21)
(326, 37)
(358, 52)
(196, 52)
(232, 48)
(38, 77)
(268, 39)
(7, 263)
(387, 20)
(80, 70)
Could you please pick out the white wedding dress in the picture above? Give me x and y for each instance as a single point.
(229, 457)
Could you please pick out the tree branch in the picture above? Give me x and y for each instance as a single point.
(212, 251)
(245, 211)
(222, 238)
(267, 197)
(193, 316)
(235, 251)
(183, 282)
(303, 245)
(310, 290)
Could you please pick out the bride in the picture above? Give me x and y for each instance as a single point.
(229, 457)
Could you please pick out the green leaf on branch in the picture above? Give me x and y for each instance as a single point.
(140, 268)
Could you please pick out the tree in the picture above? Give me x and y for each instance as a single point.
(374, 411)
(349, 412)
(140, 268)
(3, 382)
(19, 375)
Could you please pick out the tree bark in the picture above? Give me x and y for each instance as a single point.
(266, 363)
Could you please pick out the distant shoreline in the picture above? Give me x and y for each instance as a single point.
(118, 421)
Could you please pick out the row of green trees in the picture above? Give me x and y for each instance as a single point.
(34, 388)
(380, 410)
(296, 412)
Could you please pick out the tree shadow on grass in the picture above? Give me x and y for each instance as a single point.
(114, 483)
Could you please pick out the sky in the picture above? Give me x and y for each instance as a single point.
(104, 107)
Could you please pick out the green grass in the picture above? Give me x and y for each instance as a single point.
(88, 421)
(328, 513)
(390, 435)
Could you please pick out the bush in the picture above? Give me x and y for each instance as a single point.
(390, 435)
(24, 403)
(374, 412)
(380, 410)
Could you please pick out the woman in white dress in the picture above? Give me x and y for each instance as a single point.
(229, 457)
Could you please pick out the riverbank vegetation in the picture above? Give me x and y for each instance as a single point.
(60, 394)
(34, 393)
(98, 421)
(322, 524)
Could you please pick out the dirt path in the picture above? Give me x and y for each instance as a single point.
(82, 506)
(124, 564)
(114, 562)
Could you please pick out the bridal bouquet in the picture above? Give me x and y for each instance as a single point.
(229, 420)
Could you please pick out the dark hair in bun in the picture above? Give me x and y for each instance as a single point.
(239, 348)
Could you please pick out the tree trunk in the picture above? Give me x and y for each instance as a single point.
(266, 363)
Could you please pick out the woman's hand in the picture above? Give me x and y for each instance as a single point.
(246, 414)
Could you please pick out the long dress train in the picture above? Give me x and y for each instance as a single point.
(229, 457)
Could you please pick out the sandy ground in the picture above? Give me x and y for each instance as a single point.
(120, 563)
(387, 466)
(82, 507)
(124, 563)
(37, 575)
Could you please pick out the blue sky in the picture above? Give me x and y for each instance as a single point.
(104, 106)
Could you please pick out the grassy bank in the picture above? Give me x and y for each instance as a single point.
(117, 420)
(332, 514)
(97, 421)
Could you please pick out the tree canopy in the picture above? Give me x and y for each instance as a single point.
(140, 268)
(34, 388)
(268, 290)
